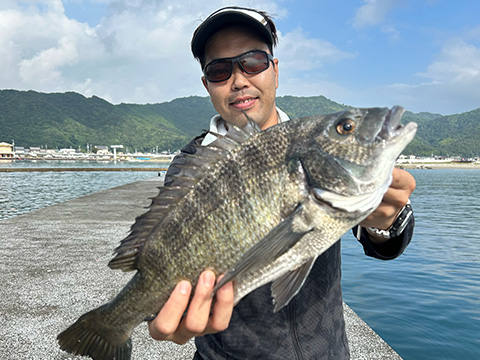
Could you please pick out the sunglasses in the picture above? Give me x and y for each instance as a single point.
(252, 62)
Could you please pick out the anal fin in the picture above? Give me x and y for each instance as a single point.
(288, 285)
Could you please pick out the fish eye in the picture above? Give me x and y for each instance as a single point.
(345, 126)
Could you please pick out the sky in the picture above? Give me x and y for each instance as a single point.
(420, 54)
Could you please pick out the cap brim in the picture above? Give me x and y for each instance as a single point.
(224, 19)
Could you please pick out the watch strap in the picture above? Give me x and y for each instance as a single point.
(398, 225)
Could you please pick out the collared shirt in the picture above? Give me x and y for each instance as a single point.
(217, 126)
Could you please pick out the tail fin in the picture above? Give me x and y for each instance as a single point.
(85, 337)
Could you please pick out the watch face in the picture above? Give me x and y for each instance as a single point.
(402, 220)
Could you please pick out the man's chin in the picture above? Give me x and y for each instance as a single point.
(239, 118)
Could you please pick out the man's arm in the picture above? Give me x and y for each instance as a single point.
(384, 216)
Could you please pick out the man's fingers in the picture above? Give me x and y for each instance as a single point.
(403, 180)
(393, 201)
(201, 318)
(398, 193)
(222, 309)
(196, 320)
(164, 326)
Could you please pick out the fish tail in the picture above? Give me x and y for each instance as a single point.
(85, 337)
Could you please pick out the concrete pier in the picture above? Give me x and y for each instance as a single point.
(53, 268)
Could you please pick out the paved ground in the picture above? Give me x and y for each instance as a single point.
(53, 268)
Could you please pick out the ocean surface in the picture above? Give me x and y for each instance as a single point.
(425, 304)
(21, 192)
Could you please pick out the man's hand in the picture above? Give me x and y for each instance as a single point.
(393, 201)
(201, 318)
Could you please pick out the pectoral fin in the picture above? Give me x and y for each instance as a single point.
(288, 285)
(273, 245)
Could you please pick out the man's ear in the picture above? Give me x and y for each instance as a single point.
(205, 82)
(275, 62)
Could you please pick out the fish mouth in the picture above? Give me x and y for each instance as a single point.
(392, 128)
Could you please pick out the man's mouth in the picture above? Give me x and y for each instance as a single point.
(244, 103)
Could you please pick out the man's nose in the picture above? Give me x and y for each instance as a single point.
(239, 77)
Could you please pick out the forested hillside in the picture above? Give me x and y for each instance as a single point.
(60, 120)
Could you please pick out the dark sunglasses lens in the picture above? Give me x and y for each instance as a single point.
(252, 63)
(255, 63)
(219, 71)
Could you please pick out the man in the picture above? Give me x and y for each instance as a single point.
(235, 49)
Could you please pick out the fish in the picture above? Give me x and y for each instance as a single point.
(255, 206)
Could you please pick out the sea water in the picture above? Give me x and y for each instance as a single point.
(21, 192)
(425, 303)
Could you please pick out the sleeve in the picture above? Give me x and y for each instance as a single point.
(178, 160)
(390, 249)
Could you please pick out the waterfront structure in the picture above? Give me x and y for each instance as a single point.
(6, 150)
(19, 150)
(102, 150)
(67, 152)
(115, 147)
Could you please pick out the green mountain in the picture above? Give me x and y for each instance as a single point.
(70, 120)
(452, 135)
(63, 120)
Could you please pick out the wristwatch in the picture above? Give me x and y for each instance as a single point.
(402, 220)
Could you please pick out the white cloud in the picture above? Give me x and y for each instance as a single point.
(392, 33)
(307, 86)
(138, 52)
(458, 62)
(303, 65)
(297, 51)
(373, 12)
(43, 66)
(455, 76)
(452, 84)
(39, 42)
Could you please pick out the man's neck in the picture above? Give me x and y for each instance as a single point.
(272, 120)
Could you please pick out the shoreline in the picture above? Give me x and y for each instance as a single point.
(437, 165)
(417, 166)
(81, 169)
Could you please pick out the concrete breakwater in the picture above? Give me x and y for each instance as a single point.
(60, 169)
(53, 268)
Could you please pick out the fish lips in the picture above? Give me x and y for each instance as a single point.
(392, 128)
(387, 130)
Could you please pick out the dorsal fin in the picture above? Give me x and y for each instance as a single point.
(191, 172)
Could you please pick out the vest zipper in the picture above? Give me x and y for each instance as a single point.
(293, 331)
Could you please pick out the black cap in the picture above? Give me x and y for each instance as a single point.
(232, 15)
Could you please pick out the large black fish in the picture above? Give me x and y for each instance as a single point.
(258, 206)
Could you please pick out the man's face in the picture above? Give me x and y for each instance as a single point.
(254, 94)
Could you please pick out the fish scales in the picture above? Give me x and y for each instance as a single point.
(257, 206)
(236, 208)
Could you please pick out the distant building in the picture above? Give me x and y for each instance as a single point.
(67, 151)
(19, 150)
(35, 149)
(102, 150)
(6, 150)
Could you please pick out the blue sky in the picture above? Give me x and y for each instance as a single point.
(421, 54)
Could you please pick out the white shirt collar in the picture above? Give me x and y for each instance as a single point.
(217, 125)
